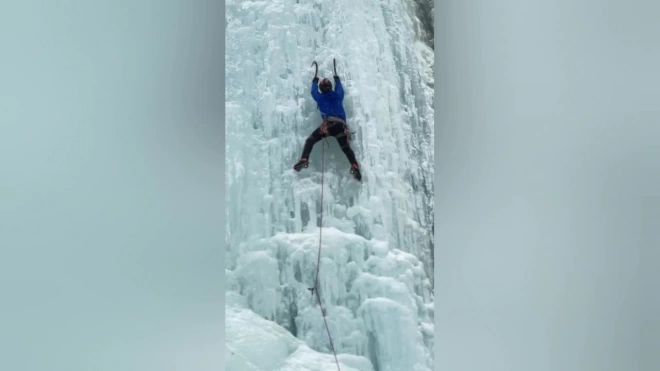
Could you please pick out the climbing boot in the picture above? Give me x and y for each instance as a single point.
(355, 170)
(303, 163)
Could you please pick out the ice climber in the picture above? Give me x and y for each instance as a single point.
(330, 104)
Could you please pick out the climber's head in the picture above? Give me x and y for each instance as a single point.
(325, 86)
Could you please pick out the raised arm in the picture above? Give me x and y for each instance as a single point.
(339, 89)
(315, 88)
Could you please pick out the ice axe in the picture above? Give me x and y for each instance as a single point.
(316, 74)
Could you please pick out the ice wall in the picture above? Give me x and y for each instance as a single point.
(377, 263)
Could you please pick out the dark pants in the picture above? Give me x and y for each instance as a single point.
(336, 129)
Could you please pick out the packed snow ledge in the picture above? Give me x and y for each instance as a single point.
(373, 296)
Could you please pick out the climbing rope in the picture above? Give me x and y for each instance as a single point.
(318, 263)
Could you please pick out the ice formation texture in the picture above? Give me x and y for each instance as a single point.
(376, 272)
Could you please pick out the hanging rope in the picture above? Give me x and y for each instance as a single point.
(318, 263)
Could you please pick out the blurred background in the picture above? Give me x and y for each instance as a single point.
(111, 176)
(548, 171)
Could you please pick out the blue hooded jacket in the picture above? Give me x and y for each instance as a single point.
(330, 103)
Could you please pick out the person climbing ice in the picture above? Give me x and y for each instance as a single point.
(330, 104)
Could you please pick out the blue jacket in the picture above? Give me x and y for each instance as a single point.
(330, 103)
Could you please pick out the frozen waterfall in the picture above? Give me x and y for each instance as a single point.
(376, 273)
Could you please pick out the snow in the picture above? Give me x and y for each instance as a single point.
(256, 344)
(376, 270)
(373, 296)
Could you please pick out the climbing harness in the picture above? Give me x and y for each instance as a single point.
(324, 129)
(347, 131)
(318, 263)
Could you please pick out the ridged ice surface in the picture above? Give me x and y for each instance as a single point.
(376, 267)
